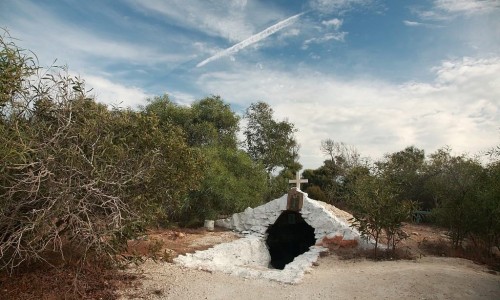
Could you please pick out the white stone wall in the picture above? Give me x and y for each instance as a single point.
(257, 220)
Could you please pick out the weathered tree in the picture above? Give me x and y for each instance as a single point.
(340, 154)
(337, 171)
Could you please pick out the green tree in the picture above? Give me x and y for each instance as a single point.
(231, 180)
(75, 173)
(207, 122)
(338, 172)
(455, 187)
(406, 170)
(377, 210)
(232, 183)
(268, 141)
(212, 114)
(486, 220)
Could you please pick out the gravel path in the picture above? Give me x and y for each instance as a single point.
(426, 278)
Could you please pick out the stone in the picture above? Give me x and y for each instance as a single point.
(495, 251)
(295, 200)
(250, 257)
(325, 223)
(337, 242)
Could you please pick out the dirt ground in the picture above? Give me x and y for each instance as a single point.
(430, 275)
(424, 277)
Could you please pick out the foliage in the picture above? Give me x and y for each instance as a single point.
(277, 185)
(405, 169)
(207, 122)
(267, 141)
(462, 198)
(213, 113)
(377, 210)
(73, 172)
(486, 211)
(272, 144)
(336, 177)
(315, 192)
(232, 183)
(16, 66)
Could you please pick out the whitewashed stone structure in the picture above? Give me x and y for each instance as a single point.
(315, 213)
(249, 257)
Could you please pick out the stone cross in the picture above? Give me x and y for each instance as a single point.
(297, 180)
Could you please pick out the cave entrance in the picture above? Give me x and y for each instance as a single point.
(288, 237)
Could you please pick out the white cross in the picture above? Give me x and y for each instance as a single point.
(297, 180)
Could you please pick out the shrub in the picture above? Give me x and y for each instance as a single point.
(74, 172)
(377, 211)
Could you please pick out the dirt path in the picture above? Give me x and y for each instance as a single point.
(426, 278)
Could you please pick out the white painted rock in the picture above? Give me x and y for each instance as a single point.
(324, 222)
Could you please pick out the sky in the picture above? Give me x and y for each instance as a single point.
(377, 75)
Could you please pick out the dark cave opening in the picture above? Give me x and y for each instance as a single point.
(288, 237)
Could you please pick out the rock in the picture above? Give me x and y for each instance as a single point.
(415, 233)
(495, 251)
(179, 234)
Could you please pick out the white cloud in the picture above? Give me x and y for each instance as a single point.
(251, 40)
(460, 107)
(467, 6)
(329, 6)
(231, 20)
(420, 24)
(181, 98)
(460, 72)
(290, 32)
(443, 10)
(51, 37)
(412, 23)
(337, 36)
(335, 23)
(115, 94)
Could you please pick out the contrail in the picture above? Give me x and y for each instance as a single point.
(251, 40)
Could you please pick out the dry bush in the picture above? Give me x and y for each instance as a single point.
(69, 281)
(75, 174)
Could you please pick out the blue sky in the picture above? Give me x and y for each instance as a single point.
(378, 75)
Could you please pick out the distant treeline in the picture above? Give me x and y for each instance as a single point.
(461, 193)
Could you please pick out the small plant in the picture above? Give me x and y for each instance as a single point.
(154, 248)
(377, 211)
